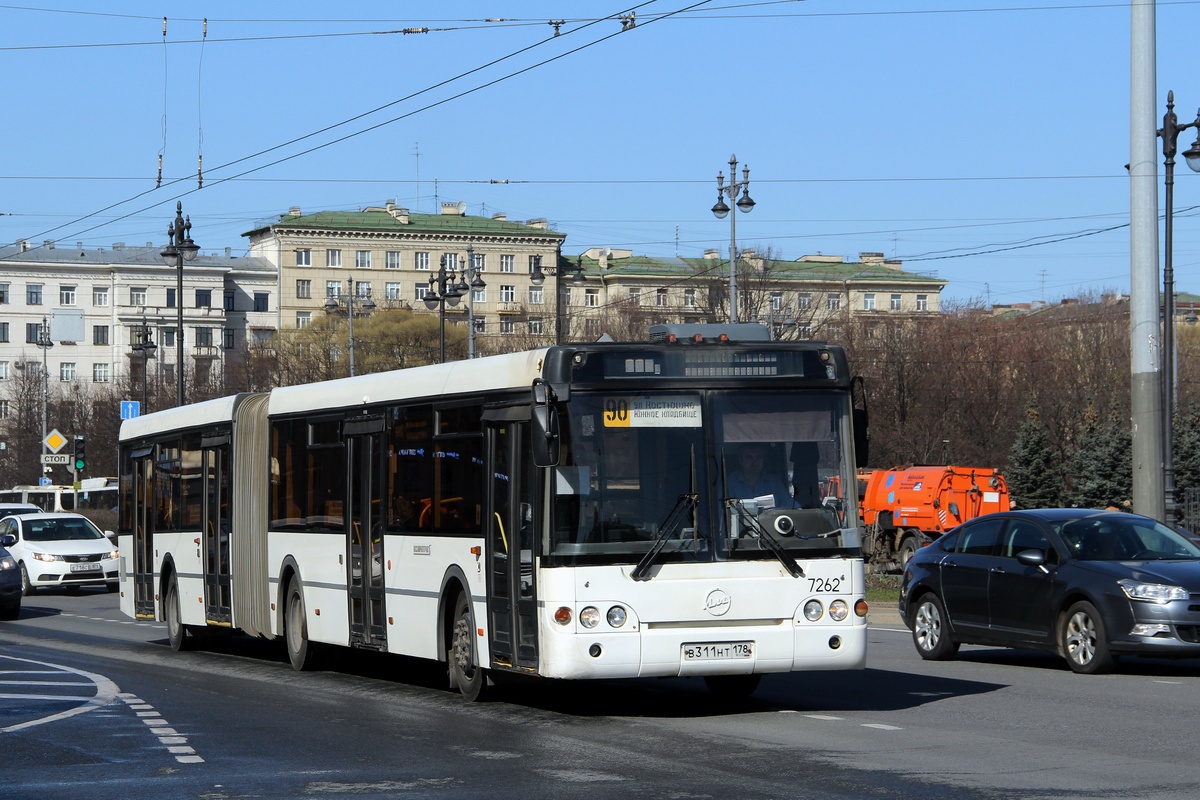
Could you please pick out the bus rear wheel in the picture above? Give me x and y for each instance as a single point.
(301, 652)
(177, 632)
(465, 672)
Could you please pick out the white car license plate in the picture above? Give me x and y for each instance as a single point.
(715, 651)
(85, 567)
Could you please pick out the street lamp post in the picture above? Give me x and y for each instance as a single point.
(334, 301)
(43, 341)
(721, 209)
(539, 277)
(180, 248)
(146, 346)
(443, 290)
(1169, 132)
(470, 277)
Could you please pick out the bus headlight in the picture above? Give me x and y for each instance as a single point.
(589, 617)
(838, 610)
(617, 616)
(813, 610)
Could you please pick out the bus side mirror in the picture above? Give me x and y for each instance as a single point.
(545, 432)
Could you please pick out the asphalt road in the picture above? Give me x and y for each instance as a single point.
(93, 705)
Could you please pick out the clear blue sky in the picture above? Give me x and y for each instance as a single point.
(948, 135)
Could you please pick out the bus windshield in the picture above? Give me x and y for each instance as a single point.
(746, 466)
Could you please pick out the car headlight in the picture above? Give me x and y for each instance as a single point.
(8, 562)
(46, 557)
(113, 554)
(1152, 592)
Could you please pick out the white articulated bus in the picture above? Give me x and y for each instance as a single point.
(93, 494)
(564, 513)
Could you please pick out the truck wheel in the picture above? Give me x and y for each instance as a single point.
(908, 549)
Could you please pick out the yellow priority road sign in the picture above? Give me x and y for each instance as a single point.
(55, 441)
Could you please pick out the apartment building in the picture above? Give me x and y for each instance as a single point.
(94, 304)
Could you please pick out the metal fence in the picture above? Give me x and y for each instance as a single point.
(1189, 502)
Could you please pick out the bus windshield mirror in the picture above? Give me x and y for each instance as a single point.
(672, 524)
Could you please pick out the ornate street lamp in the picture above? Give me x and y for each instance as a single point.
(721, 210)
(180, 248)
(146, 346)
(443, 290)
(539, 277)
(471, 283)
(333, 302)
(1169, 132)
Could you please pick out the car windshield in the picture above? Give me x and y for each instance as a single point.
(57, 530)
(1117, 538)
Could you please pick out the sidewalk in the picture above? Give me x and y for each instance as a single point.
(884, 617)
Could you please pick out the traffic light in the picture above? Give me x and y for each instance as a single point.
(80, 460)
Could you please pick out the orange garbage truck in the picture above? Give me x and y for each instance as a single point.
(906, 508)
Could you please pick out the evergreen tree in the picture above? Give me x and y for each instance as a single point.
(1034, 477)
(1102, 465)
(1186, 451)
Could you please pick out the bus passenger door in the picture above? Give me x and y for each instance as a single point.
(364, 532)
(216, 526)
(512, 599)
(144, 606)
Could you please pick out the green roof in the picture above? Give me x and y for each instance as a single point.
(378, 219)
(645, 266)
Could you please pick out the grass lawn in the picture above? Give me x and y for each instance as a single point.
(883, 591)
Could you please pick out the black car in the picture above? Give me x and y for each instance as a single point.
(11, 588)
(1088, 585)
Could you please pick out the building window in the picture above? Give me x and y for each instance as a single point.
(635, 297)
(204, 337)
(506, 326)
(100, 296)
(303, 290)
(4, 293)
(303, 319)
(566, 295)
(66, 371)
(480, 262)
(480, 325)
(32, 331)
(3, 331)
(362, 259)
(304, 258)
(4, 409)
(421, 291)
(168, 373)
(537, 295)
(508, 293)
(99, 373)
(804, 330)
(421, 262)
(66, 295)
(33, 294)
(450, 260)
(230, 301)
(591, 298)
(261, 337)
(99, 334)
(868, 302)
(168, 337)
(833, 302)
(362, 288)
(170, 298)
(137, 296)
(333, 258)
(922, 302)
(689, 298)
(894, 303)
(536, 326)
(804, 301)
(479, 295)
(333, 288)
(261, 299)
(391, 290)
(508, 264)
(776, 301)
(204, 298)
(660, 297)
(227, 338)
(391, 259)
(3, 370)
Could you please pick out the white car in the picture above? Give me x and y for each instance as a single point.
(60, 550)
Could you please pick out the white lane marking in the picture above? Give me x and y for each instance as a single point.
(106, 690)
(880, 726)
(822, 716)
(176, 744)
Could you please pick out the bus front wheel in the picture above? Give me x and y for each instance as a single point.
(177, 632)
(465, 672)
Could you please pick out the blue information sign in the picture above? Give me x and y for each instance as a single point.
(130, 409)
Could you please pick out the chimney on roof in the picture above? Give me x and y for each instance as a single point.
(870, 258)
(399, 214)
(458, 209)
(229, 252)
(118, 245)
(149, 244)
(49, 243)
(294, 211)
(24, 245)
(500, 216)
(540, 222)
(711, 255)
(389, 205)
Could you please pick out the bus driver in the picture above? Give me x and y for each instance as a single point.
(749, 479)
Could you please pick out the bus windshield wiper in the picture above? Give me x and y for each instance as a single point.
(671, 525)
(767, 538)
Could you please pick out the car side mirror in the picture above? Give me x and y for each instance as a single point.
(112, 536)
(1033, 558)
(7, 540)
